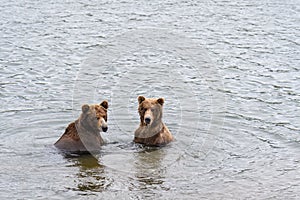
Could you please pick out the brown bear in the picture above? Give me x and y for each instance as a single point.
(152, 131)
(83, 135)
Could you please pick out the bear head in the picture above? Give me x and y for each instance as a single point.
(94, 117)
(150, 110)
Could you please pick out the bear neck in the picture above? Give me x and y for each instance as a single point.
(151, 130)
(81, 126)
(91, 138)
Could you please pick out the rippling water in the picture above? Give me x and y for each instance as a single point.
(232, 105)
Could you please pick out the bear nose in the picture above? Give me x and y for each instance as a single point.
(104, 129)
(147, 120)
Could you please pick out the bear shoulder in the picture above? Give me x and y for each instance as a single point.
(71, 131)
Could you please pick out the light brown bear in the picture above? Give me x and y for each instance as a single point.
(152, 131)
(83, 135)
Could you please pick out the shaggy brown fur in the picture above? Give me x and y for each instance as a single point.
(83, 134)
(152, 131)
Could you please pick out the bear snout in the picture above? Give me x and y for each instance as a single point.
(147, 120)
(104, 129)
(103, 125)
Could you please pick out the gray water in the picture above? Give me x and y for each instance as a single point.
(229, 71)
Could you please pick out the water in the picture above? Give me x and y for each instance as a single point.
(232, 105)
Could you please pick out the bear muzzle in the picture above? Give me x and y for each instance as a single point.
(148, 117)
(147, 120)
(103, 125)
(104, 128)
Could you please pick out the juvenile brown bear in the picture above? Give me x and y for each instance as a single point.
(83, 135)
(152, 131)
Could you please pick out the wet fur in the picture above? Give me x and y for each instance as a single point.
(156, 133)
(85, 131)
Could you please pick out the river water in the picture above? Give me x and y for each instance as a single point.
(229, 73)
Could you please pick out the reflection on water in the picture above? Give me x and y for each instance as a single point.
(90, 176)
(148, 170)
(149, 162)
(145, 173)
(84, 161)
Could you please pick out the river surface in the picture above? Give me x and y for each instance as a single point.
(229, 72)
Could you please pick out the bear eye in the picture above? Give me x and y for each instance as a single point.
(97, 118)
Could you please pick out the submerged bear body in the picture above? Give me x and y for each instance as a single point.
(83, 135)
(152, 131)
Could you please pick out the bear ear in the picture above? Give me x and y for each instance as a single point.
(104, 104)
(141, 99)
(161, 101)
(85, 108)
